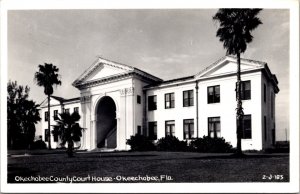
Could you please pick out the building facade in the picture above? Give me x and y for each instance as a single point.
(118, 101)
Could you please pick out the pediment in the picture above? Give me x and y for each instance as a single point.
(228, 65)
(104, 71)
(53, 102)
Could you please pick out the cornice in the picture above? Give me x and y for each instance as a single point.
(103, 80)
(189, 81)
(114, 78)
(259, 64)
(101, 62)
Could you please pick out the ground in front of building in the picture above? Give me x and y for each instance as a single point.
(159, 167)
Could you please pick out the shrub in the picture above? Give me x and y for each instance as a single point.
(39, 144)
(213, 145)
(140, 143)
(170, 143)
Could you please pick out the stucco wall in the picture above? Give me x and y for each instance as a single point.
(130, 114)
(225, 109)
(139, 108)
(178, 113)
(55, 105)
(266, 111)
(124, 110)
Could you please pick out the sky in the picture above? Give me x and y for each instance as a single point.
(168, 43)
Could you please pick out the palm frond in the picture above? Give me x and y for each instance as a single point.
(235, 26)
(47, 76)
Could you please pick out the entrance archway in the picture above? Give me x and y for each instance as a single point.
(106, 123)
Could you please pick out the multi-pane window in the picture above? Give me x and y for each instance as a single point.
(246, 90)
(76, 109)
(265, 127)
(139, 130)
(55, 113)
(55, 135)
(47, 135)
(214, 127)
(272, 105)
(152, 130)
(213, 94)
(170, 128)
(152, 103)
(169, 100)
(46, 116)
(273, 137)
(188, 98)
(67, 110)
(247, 131)
(188, 128)
(138, 99)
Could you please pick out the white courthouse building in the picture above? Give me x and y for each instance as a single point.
(117, 101)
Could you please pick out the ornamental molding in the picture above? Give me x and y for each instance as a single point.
(101, 62)
(85, 99)
(127, 91)
(104, 80)
(113, 78)
(129, 70)
(229, 58)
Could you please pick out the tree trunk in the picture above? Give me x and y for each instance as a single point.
(239, 109)
(49, 133)
(70, 148)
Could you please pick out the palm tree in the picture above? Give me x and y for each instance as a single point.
(69, 130)
(235, 32)
(47, 77)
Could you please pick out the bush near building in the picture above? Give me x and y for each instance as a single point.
(212, 145)
(39, 144)
(140, 143)
(171, 143)
(205, 144)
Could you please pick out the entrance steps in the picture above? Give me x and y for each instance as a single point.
(103, 150)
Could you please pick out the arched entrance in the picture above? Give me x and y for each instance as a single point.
(106, 123)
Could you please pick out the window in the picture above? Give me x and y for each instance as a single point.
(152, 130)
(139, 130)
(55, 113)
(67, 110)
(188, 98)
(213, 94)
(152, 103)
(272, 105)
(76, 109)
(55, 134)
(214, 127)
(46, 135)
(247, 132)
(138, 99)
(170, 128)
(169, 100)
(265, 127)
(265, 92)
(188, 128)
(46, 116)
(245, 90)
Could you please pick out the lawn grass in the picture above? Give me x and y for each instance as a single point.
(179, 166)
